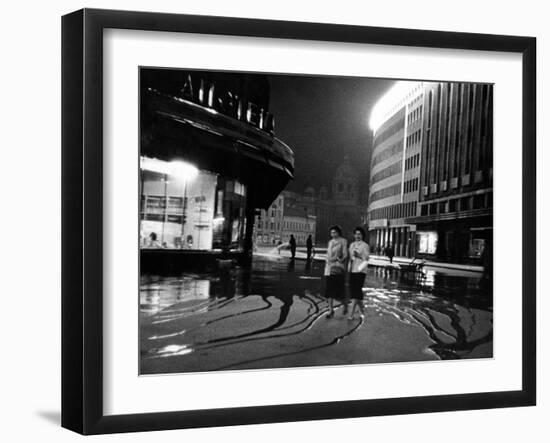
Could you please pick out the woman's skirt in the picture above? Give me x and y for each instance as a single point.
(336, 286)
(356, 280)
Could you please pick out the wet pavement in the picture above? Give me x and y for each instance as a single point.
(273, 316)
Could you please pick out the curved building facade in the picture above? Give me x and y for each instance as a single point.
(395, 170)
(208, 161)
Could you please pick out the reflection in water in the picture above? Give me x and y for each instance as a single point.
(157, 293)
(291, 265)
(173, 350)
(429, 277)
(448, 317)
(454, 311)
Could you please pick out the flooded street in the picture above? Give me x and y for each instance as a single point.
(273, 316)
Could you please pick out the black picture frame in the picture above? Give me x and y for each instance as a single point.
(82, 215)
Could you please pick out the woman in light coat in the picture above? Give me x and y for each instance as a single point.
(335, 269)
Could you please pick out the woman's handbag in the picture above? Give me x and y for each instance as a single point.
(363, 266)
(337, 270)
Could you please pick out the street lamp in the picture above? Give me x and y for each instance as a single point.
(183, 171)
(177, 168)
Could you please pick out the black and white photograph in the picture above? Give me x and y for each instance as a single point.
(275, 221)
(291, 221)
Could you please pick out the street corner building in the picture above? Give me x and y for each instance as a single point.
(209, 160)
(431, 177)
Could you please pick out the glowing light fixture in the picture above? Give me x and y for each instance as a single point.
(391, 102)
(183, 170)
(177, 169)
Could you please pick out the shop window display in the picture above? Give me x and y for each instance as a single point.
(183, 207)
(426, 242)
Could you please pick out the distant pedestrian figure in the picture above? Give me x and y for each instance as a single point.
(309, 247)
(359, 256)
(335, 269)
(153, 242)
(378, 250)
(189, 242)
(389, 253)
(292, 243)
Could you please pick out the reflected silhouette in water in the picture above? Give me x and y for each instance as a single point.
(291, 265)
(450, 309)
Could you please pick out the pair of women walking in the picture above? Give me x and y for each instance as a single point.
(341, 259)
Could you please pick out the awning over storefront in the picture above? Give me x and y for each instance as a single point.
(176, 128)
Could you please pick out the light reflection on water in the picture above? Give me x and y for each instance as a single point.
(448, 307)
(157, 294)
(278, 278)
(173, 351)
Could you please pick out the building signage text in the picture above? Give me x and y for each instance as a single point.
(228, 103)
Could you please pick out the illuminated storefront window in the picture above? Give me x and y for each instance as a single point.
(477, 246)
(183, 207)
(427, 242)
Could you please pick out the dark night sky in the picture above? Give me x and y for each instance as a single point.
(322, 119)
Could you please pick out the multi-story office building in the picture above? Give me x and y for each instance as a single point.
(433, 197)
(455, 219)
(395, 168)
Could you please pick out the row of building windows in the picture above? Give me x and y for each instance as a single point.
(411, 185)
(386, 192)
(412, 162)
(399, 210)
(262, 224)
(393, 169)
(415, 100)
(413, 138)
(414, 115)
(389, 131)
(392, 150)
(297, 226)
(456, 182)
(276, 226)
(458, 121)
(479, 201)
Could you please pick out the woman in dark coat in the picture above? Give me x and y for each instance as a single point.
(335, 269)
(389, 253)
